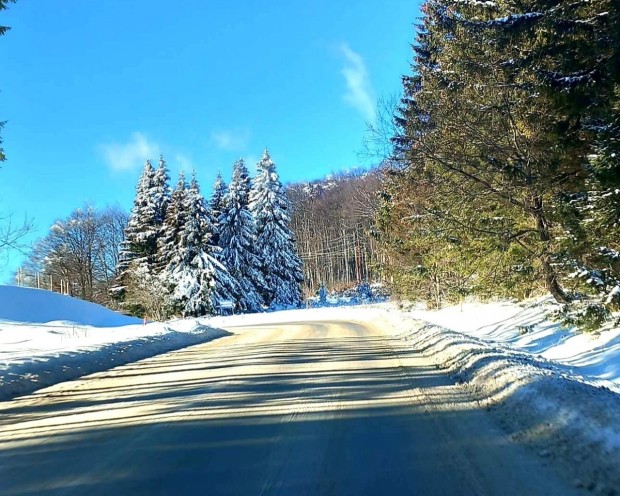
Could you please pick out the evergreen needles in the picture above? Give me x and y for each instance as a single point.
(506, 174)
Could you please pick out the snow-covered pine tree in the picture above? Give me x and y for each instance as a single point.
(217, 203)
(139, 238)
(174, 222)
(161, 190)
(199, 281)
(139, 248)
(275, 243)
(237, 241)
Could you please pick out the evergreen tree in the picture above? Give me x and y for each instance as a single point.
(174, 222)
(275, 244)
(198, 280)
(139, 239)
(496, 127)
(217, 203)
(237, 240)
(139, 247)
(161, 190)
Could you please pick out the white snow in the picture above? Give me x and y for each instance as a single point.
(46, 338)
(525, 327)
(41, 307)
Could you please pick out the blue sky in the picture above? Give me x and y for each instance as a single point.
(90, 89)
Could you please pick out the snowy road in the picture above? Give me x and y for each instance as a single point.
(331, 408)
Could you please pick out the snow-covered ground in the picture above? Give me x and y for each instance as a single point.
(46, 338)
(526, 327)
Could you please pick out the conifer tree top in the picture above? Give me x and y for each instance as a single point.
(181, 183)
(219, 180)
(240, 172)
(265, 161)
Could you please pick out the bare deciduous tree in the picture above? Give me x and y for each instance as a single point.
(79, 253)
(12, 235)
(332, 221)
(377, 144)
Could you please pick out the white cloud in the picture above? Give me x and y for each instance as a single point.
(130, 155)
(231, 140)
(359, 92)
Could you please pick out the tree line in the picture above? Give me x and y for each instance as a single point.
(505, 174)
(177, 253)
(331, 220)
(182, 255)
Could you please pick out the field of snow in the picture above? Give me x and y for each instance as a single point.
(46, 338)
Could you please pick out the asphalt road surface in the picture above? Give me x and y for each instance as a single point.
(325, 408)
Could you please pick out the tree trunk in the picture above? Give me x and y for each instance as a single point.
(551, 278)
(551, 281)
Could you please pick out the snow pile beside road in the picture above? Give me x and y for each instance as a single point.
(526, 327)
(539, 402)
(81, 339)
(40, 306)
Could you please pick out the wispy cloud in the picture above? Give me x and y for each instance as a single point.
(231, 140)
(130, 155)
(359, 92)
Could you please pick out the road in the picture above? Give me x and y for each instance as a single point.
(326, 408)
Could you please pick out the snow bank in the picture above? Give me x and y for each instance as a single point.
(79, 338)
(574, 419)
(41, 306)
(526, 327)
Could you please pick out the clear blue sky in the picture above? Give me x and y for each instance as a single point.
(90, 89)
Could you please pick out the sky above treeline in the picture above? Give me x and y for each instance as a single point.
(91, 89)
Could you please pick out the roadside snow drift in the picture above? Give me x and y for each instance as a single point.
(526, 327)
(40, 306)
(499, 356)
(47, 338)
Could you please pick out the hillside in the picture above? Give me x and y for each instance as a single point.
(39, 306)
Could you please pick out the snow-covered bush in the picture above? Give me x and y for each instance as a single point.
(356, 295)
